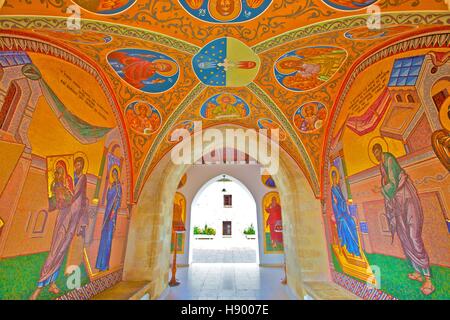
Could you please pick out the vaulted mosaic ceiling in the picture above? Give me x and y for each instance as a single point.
(252, 63)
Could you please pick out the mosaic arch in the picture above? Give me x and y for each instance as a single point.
(182, 182)
(225, 11)
(77, 36)
(269, 124)
(371, 102)
(364, 33)
(186, 125)
(145, 70)
(105, 7)
(225, 106)
(308, 68)
(349, 5)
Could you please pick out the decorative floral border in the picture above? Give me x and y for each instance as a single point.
(415, 18)
(45, 22)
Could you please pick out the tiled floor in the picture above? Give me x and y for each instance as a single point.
(230, 281)
(228, 255)
(224, 251)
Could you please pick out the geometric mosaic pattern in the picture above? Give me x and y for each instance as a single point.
(358, 288)
(94, 287)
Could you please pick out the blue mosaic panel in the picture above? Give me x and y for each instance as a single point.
(219, 11)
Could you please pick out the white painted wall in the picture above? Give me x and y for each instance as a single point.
(207, 208)
(248, 175)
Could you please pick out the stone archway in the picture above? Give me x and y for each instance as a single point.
(148, 259)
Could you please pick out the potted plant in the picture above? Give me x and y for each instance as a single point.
(205, 233)
(250, 232)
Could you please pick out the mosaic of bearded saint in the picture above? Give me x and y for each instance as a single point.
(405, 215)
(72, 203)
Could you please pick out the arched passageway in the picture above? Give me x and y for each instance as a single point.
(304, 236)
(86, 117)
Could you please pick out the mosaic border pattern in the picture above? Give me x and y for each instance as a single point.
(358, 288)
(44, 22)
(51, 22)
(420, 18)
(94, 287)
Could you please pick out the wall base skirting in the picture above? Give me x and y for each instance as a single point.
(94, 287)
(360, 289)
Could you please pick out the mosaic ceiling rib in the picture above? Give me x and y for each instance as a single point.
(38, 22)
(416, 18)
(164, 131)
(289, 128)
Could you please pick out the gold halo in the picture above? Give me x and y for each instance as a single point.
(384, 145)
(63, 160)
(443, 115)
(334, 169)
(138, 104)
(212, 7)
(316, 108)
(169, 73)
(68, 168)
(111, 178)
(85, 158)
(318, 124)
(284, 70)
(223, 95)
